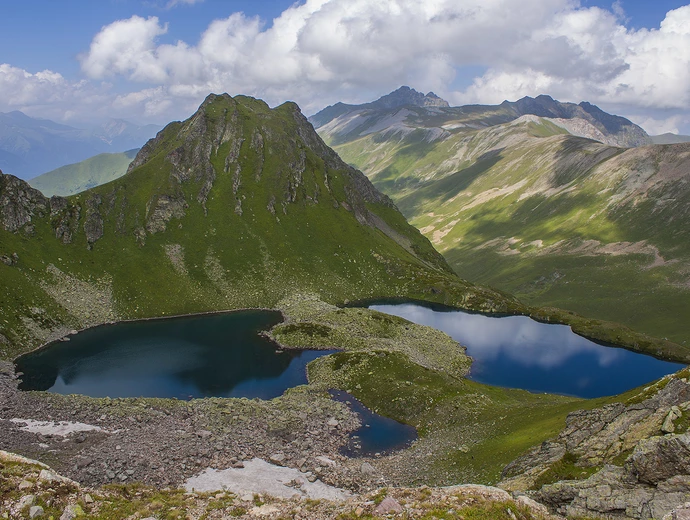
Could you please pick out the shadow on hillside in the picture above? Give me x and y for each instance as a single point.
(451, 185)
(577, 157)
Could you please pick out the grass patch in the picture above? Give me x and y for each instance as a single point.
(564, 469)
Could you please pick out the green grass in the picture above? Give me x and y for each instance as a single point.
(311, 243)
(89, 173)
(494, 424)
(486, 212)
(566, 469)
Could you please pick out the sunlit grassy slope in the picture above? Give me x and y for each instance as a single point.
(238, 206)
(75, 178)
(555, 219)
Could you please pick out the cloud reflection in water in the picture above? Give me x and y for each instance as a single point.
(519, 352)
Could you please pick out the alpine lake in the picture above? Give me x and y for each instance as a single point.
(226, 355)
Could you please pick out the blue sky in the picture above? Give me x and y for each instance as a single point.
(149, 60)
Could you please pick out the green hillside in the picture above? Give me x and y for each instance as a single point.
(75, 178)
(239, 206)
(523, 206)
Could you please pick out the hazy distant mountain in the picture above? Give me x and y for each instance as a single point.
(404, 96)
(92, 172)
(30, 146)
(406, 110)
(121, 134)
(669, 138)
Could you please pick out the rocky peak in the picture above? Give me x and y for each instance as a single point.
(263, 150)
(406, 96)
(617, 131)
(19, 203)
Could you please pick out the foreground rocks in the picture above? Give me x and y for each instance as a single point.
(51, 495)
(638, 452)
(164, 442)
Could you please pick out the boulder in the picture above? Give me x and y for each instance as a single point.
(660, 458)
(387, 506)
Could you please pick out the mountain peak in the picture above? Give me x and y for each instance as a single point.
(619, 131)
(405, 96)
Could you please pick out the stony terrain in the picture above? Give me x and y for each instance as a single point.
(32, 490)
(631, 459)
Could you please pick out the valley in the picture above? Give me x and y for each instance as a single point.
(518, 203)
(243, 206)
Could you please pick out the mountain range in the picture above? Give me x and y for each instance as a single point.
(30, 147)
(405, 111)
(560, 204)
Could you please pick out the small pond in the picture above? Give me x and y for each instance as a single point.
(518, 352)
(378, 434)
(216, 355)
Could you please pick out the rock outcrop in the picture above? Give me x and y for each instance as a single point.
(638, 471)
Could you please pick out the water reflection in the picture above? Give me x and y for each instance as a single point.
(519, 352)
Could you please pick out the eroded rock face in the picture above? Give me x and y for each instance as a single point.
(660, 458)
(93, 224)
(653, 480)
(19, 203)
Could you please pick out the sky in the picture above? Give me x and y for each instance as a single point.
(153, 61)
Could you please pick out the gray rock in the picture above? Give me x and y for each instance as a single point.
(71, 512)
(25, 484)
(387, 506)
(93, 224)
(26, 501)
(680, 513)
(367, 469)
(661, 458)
(325, 461)
(277, 458)
(673, 414)
(36, 512)
(19, 203)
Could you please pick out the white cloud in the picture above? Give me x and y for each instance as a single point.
(645, 68)
(324, 51)
(655, 126)
(127, 47)
(48, 94)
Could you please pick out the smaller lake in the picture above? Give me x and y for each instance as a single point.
(217, 355)
(378, 434)
(518, 352)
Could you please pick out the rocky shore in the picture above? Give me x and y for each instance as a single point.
(164, 442)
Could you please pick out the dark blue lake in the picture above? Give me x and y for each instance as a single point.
(518, 352)
(219, 355)
(378, 434)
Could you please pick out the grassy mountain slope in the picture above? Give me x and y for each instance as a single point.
(238, 206)
(556, 219)
(74, 178)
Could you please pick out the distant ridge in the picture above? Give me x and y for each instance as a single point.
(627, 133)
(31, 146)
(92, 172)
(346, 122)
(669, 138)
(404, 96)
